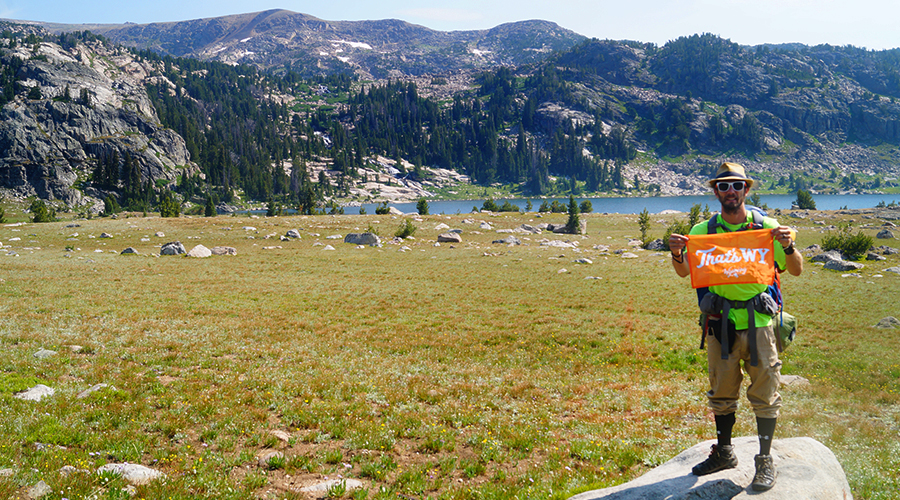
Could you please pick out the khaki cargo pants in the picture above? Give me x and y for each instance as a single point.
(725, 375)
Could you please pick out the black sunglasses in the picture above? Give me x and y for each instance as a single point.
(736, 185)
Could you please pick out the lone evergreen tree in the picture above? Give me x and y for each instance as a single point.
(573, 225)
(644, 225)
(422, 206)
(805, 200)
(210, 209)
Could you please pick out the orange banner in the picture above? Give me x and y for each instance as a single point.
(731, 258)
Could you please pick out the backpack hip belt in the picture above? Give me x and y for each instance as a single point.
(714, 304)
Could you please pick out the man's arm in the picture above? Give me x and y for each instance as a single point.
(677, 243)
(792, 257)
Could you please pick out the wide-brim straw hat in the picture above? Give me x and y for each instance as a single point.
(731, 172)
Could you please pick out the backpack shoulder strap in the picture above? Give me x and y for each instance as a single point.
(757, 219)
(712, 224)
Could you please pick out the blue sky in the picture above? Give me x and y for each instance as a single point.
(863, 23)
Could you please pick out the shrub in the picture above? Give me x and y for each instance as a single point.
(382, 209)
(490, 205)
(508, 207)
(2, 215)
(406, 229)
(851, 245)
(168, 205)
(41, 212)
(586, 207)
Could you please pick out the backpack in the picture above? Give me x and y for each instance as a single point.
(786, 329)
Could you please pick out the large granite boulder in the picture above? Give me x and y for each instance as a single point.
(806, 469)
(370, 239)
(172, 248)
(843, 265)
(449, 238)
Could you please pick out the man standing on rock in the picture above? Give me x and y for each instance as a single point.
(751, 340)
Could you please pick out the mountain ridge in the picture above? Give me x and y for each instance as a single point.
(279, 38)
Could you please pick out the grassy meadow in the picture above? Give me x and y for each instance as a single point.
(465, 371)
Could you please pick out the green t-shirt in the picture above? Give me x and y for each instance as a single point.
(746, 291)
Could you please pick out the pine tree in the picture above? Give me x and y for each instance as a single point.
(573, 225)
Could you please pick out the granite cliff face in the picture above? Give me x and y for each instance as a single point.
(49, 145)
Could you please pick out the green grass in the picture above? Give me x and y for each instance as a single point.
(460, 371)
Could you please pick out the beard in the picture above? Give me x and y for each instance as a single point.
(730, 205)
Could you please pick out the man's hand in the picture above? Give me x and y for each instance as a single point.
(677, 242)
(783, 235)
(792, 258)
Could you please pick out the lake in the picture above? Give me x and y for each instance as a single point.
(654, 205)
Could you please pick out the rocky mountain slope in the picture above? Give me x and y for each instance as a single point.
(92, 106)
(389, 48)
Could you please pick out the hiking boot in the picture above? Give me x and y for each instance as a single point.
(720, 458)
(765, 473)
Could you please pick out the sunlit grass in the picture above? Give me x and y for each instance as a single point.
(456, 371)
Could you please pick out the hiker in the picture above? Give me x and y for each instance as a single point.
(736, 335)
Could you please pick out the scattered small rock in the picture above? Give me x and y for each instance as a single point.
(885, 234)
(293, 233)
(328, 247)
(94, 388)
(794, 381)
(509, 240)
(264, 459)
(888, 322)
(449, 238)
(895, 269)
(281, 435)
(133, 473)
(41, 489)
(36, 393)
(67, 470)
(557, 244)
(320, 490)
(106, 235)
(629, 255)
(584, 260)
(129, 251)
(44, 354)
(223, 251)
